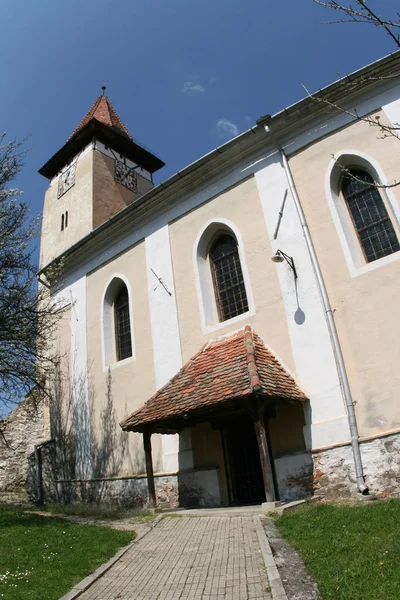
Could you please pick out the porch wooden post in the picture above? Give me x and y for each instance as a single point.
(149, 468)
(265, 458)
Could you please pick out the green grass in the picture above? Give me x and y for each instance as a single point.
(41, 558)
(102, 512)
(351, 552)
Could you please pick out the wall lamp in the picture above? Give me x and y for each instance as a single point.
(280, 256)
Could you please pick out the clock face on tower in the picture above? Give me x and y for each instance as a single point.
(66, 180)
(126, 176)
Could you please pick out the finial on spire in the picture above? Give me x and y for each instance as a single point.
(103, 87)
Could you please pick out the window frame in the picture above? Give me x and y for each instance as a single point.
(108, 323)
(349, 240)
(203, 276)
(223, 304)
(353, 173)
(122, 320)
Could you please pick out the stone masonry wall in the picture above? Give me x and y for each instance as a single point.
(334, 474)
(24, 427)
(328, 474)
(192, 488)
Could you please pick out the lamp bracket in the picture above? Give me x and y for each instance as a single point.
(289, 260)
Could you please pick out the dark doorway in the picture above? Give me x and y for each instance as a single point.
(242, 462)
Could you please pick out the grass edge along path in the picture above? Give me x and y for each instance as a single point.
(44, 557)
(351, 552)
(99, 512)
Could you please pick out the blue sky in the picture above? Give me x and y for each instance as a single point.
(184, 76)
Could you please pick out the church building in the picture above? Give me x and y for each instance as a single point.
(231, 335)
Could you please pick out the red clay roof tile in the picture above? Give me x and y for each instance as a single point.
(102, 110)
(224, 369)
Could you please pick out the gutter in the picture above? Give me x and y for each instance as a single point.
(153, 195)
(287, 120)
(382, 64)
(333, 334)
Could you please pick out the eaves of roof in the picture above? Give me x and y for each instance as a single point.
(164, 194)
(287, 123)
(95, 129)
(345, 92)
(224, 370)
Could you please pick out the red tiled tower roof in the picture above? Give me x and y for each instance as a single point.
(101, 123)
(102, 110)
(227, 368)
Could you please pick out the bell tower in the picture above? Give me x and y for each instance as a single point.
(98, 172)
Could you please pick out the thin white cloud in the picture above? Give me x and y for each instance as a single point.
(189, 86)
(225, 126)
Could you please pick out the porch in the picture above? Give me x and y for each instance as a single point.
(239, 413)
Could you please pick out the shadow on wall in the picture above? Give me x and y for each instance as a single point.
(290, 436)
(236, 461)
(199, 488)
(188, 492)
(299, 315)
(84, 458)
(294, 474)
(110, 447)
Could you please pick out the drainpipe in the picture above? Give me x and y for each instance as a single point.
(330, 321)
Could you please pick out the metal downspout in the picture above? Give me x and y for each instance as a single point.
(362, 487)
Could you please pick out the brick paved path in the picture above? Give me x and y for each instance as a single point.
(207, 558)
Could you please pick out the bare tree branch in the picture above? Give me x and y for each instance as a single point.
(360, 11)
(363, 13)
(28, 316)
(387, 131)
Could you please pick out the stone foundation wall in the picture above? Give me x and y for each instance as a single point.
(326, 474)
(330, 473)
(334, 474)
(199, 487)
(24, 427)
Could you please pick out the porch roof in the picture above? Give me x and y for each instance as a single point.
(229, 368)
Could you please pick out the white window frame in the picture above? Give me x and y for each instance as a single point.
(347, 233)
(204, 283)
(108, 341)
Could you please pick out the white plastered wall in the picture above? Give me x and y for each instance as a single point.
(392, 111)
(177, 449)
(74, 293)
(316, 371)
(314, 360)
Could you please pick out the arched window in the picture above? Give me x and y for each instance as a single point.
(122, 322)
(229, 287)
(369, 215)
(118, 339)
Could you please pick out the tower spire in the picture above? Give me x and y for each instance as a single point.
(103, 124)
(102, 110)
